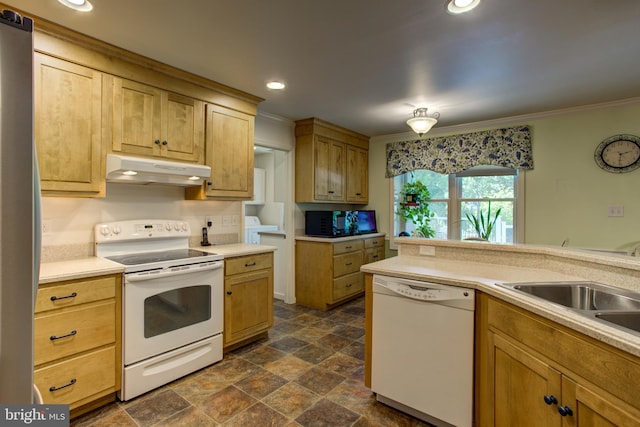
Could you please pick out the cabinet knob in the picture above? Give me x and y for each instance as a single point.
(358, 194)
(229, 292)
(565, 411)
(164, 142)
(209, 183)
(157, 142)
(330, 192)
(550, 400)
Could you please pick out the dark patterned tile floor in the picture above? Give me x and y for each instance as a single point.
(309, 372)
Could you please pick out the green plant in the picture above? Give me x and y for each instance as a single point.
(484, 225)
(417, 209)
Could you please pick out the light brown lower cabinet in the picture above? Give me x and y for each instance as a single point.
(77, 342)
(534, 372)
(248, 299)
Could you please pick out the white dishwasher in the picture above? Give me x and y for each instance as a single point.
(422, 349)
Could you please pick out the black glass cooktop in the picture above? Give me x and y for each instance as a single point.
(151, 257)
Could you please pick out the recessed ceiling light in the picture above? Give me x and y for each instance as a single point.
(79, 5)
(461, 6)
(275, 85)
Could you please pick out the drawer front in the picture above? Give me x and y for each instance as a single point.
(347, 286)
(373, 242)
(83, 376)
(373, 254)
(347, 263)
(77, 330)
(245, 264)
(348, 246)
(76, 292)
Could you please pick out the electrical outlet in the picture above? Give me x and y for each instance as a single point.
(615, 211)
(208, 221)
(235, 220)
(428, 250)
(46, 227)
(226, 220)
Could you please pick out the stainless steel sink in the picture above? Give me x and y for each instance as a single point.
(617, 307)
(629, 320)
(583, 295)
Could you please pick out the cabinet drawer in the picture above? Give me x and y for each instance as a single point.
(347, 263)
(348, 285)
(373, 242)
(373, 254)
(90, 374)
(249, 263)
(94, 326)
(348, 246)
(76, 292)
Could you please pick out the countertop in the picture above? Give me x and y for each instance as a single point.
(94, 266)
(489, 277)
(338, 239)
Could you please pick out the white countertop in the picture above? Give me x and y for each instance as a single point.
(488, 277)
(94, 266)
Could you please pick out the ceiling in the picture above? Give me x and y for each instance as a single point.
(366, 64)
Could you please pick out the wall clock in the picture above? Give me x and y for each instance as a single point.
(619, 153)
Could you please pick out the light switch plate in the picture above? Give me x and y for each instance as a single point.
(615, 211)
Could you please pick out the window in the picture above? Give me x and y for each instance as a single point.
(455, 196)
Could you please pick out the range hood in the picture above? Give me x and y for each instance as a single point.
(138, 170)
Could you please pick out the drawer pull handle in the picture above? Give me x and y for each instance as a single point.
(229, 292)
(375, 257)
(73, 295)
(348, 247)
(348, 264)
(70, 334)
(550, 400)
(250, 264)
(349, 285)
(70, 383)
(565, 411)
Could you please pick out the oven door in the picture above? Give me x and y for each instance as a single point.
(170, 308)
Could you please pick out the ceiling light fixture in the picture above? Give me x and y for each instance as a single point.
(421, 122)
(79, 5)
(461, 6)
(275, 85)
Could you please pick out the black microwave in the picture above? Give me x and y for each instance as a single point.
(339, 223)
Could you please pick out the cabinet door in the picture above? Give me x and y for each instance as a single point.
(593, 409)
(329, 170)
(520, 383)
(248, 307)
(136, 118)
(229, 153)
(357, 175)
(68, 127)
(183, 128)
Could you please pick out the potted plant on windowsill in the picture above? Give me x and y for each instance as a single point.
(414, 207)
(483, 225)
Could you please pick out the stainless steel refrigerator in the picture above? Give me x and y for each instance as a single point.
(19, 210)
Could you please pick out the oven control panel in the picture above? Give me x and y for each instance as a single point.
(141, 229)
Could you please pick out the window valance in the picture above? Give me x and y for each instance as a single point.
(507, 147)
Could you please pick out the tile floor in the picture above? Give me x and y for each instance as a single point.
(309, 372)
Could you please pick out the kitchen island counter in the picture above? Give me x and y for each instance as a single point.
(485, 267)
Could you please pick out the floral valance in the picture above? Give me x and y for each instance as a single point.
(508, 147)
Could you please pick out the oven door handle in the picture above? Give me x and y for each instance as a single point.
(173, 271)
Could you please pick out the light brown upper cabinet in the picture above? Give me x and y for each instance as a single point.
(229, 153)
(357, 175)
(68, 118)
(331, 163)
(153, 122)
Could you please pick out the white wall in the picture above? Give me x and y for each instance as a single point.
(68, 222)
(567, 195)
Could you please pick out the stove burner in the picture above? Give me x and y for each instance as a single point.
(152, 257)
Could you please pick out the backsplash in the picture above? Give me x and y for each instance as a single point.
(68, 222)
